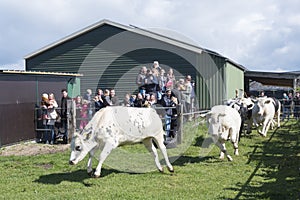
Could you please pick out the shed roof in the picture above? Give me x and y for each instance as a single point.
(273, 78)
(137, 30)
(38, 73)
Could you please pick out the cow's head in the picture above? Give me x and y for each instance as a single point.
(81, 144)
(243, 106)
(214, 121)
(261, 105)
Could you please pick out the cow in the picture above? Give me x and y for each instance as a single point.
(244, 107)
(114, 126)
(263, 113)
(224, 123)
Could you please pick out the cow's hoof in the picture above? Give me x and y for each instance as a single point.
(236, 152)
(95, 176)
(161, 170)
(263, 135)
(91, 173)
(71, 162)
(229, 158)
(171, 170)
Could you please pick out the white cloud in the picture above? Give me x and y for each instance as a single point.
(257, 34)
(20, 65)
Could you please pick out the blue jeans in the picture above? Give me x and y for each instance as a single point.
(286, 112)
(51, 135)
(168, 124)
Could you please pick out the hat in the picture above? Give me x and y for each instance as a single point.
(155, 63)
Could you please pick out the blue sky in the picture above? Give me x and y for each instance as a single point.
(259, 34)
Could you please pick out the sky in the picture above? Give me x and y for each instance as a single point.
(261, 35)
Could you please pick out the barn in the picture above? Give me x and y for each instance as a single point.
(110, 55)
(21, 93)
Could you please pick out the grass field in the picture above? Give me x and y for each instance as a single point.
(267, 168)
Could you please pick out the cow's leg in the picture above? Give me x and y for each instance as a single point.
(103, 155)
(160, 142)
(266, 126)
(235, 140)
(215, 139)
(278, 115)
(151, 148)
(89, 163)
(249, 126)
(221, 144)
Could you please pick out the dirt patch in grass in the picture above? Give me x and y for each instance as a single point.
(31, 149)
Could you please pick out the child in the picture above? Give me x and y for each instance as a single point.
(84, 114)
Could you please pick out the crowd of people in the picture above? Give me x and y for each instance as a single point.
(290, 105)
(155, 89)
(51, 115)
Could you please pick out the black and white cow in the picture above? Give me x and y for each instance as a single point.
(263, 113)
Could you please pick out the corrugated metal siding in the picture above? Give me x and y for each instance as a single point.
(69, 56)
(121, 74)
(210, 84)
(80, 56)
(234, 80)
(22, 94)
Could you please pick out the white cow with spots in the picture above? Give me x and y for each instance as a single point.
(115, 126)
(224, 123)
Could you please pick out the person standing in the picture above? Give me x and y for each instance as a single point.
(140, 79)
(44, 117)
(162, 80)
(170, 101)
(171, 80)
(64, 113)
(187, 95)
(78, 104)
(114, 98)
(286, 102)
(106, 98)
(84, 114)
(297, 105)
(88, 96)
(52, 114)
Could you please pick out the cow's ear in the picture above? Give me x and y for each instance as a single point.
(221, 115)
(254, 100)
(267, 101)
(76, 134)
(208, 114)
(87, 134)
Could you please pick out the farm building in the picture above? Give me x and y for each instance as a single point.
(110, 55)
(21, 93)
(275, 83)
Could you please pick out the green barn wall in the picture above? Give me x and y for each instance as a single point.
(104, 67)
(234, 80)
(210, 82)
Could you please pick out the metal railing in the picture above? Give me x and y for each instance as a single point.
(180, 117)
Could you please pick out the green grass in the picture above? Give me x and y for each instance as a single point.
(267, 168)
